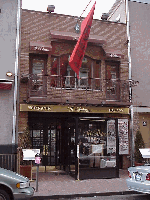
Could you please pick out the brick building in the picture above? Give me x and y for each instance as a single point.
(69, 117)
(136, 13)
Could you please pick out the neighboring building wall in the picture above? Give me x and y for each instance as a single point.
(140, 51)
(8, 19)
(136, 126)
(6, 117)
(144, 124)
(139, 14)
(118, 12)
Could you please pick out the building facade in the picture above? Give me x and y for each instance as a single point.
(137, 17)
(9, 48)
(80, 125)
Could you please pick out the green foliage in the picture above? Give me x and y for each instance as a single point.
(25, 139)
(24, 142)
(139, 143)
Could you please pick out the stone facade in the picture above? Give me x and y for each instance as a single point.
(8, 59)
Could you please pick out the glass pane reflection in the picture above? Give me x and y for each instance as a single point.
(97, 144)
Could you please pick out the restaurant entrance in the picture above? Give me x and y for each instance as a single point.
(85, 146)
(55, 137)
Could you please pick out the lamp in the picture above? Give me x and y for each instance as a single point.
(9, 74)
(77, 27)
(50, 8)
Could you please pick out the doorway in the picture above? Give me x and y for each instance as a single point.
(45, 135)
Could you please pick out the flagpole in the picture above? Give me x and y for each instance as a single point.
(85, 8)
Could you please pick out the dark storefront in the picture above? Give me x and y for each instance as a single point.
(84, 144)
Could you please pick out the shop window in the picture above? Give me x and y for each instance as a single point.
(97, 143)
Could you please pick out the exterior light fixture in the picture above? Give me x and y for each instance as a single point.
(77, 27)
(50, 8)
(9, 74)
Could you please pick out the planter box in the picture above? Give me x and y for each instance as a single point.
(25, 170)
(138, 164)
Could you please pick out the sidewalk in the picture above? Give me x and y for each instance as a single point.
(57, 186)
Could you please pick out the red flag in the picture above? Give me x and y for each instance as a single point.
(79, 50)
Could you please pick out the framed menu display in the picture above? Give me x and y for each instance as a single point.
(111, 137)
(123, 136)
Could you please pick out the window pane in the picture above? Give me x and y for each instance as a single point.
(54, 66)
(97, 143)
(36, 133)
(38, 66)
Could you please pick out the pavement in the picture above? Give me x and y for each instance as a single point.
(58, 185)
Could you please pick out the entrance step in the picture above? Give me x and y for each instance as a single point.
(50, 169)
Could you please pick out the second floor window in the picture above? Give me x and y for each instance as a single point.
(37, 70)
(112, 80)
(63, 76)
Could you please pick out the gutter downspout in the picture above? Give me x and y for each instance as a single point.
(130, 78)
(16, 76)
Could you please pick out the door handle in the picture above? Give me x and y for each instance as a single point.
(45, 150)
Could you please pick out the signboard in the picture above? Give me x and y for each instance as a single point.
(77, 109)
(123, 136)
(145, 152)
(29, 154)
(111, 136)
(40, 46)
(37, 160)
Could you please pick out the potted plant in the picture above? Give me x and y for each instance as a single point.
(24, 78)
(139, 143)
(24, 142)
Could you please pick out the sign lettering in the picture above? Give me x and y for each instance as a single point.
(116, 110)
(78, 109)
(39, 108)
(38, 48)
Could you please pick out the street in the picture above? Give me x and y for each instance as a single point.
(114, 197)
(118, 197)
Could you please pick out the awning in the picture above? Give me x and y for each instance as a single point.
(114, 53)
(40, 46)
(5, 85)
(73, 36)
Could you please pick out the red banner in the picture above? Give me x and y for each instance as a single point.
(79, 50)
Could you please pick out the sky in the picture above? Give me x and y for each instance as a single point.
(70, 7)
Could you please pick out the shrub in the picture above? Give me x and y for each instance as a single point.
(139, 143)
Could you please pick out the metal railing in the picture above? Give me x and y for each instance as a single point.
(8, 161)
(55, 86)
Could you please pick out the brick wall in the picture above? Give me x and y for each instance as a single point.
(36, 26)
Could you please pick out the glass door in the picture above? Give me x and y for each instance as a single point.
(45, 136)
(54, 143)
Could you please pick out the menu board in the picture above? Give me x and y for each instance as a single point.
(111, 137)
(123, 136)
(29, 154)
